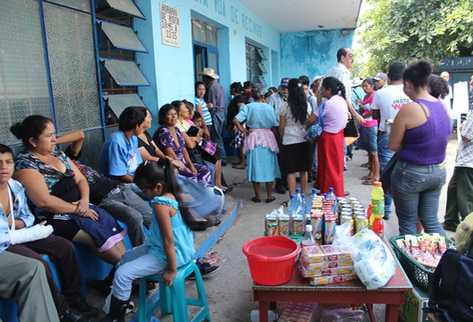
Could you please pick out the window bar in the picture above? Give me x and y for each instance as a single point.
(97, 68)
(46, 61)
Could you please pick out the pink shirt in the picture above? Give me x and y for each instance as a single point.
(335, 114)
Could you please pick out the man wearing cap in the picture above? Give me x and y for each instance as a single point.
(380, 81)
(216, 106)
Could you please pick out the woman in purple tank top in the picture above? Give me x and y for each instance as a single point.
(420, 135)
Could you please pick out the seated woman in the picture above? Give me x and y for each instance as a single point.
(61, 193)
(122, 200)
(171, 141)
(184, 116)
(18, 218)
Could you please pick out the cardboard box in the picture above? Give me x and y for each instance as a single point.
(411, 310)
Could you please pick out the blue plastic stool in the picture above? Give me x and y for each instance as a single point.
(173, 299)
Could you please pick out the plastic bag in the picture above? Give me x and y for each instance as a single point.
(343, 237)
(373, 261)
(337, 313)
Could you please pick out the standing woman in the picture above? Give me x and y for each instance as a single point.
(330, 147)
(368, 132)
(260, 145)
(295, 149)
(420, 135)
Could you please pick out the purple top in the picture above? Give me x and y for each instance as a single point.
(427, 143)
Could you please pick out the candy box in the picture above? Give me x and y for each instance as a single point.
(333, 279)
(332, 253)
(316, 271)
(297, 312)
(312, 254)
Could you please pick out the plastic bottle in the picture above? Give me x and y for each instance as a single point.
(330, 195)
(308, 236)
(300, 209)
(377, 202)
(308, 207)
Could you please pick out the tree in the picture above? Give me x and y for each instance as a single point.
(403, 30)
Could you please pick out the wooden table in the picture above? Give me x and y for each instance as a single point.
(353, 292)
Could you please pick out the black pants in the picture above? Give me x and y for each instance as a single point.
(61, 252)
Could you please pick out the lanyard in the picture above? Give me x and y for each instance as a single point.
(12, 212)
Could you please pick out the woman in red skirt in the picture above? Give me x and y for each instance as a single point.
(330, 147)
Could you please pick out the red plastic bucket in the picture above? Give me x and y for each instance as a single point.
(271, 259)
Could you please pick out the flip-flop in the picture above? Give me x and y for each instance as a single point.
(270, 199)
(367, 177)
(239, 166)
(254, 199)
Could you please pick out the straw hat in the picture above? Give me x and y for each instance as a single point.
(210, 72)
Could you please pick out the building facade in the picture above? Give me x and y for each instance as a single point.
(81, 62)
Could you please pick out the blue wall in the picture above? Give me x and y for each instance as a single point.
(311, 53)
(170, 70)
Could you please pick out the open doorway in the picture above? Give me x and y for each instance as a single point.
(204, 39)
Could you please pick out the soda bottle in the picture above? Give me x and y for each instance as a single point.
(377, 202)
(378, 227)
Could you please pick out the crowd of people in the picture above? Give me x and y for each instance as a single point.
(290, 134)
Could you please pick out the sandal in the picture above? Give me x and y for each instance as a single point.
(254, 199)
(367, 177)
(270, 199)
(239, 166)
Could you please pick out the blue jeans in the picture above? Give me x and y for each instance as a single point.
(416, 193)
(216, 131)
(384, 155)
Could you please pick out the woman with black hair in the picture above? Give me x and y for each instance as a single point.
(60, 192)
(330, 147)
(260, 145)
(295, 150)
(171, 141)
(420, 135)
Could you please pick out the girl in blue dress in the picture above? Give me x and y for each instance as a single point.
(169, 245)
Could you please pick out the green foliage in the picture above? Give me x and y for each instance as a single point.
(407, 29)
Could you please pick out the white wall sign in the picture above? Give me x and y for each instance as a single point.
(170, 33)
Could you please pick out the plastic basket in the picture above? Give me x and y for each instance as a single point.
(420, 275)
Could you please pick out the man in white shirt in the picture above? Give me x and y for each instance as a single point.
(386, 103)
(460, 187)
(341, 71)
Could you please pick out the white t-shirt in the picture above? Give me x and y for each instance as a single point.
(342, 73)
(388, 101)
(294, 132)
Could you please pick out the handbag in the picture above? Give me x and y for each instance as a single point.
(199, 200)
(315, 130)
(351, 130)
(387, 173)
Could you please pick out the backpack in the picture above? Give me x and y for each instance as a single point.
(451, 293)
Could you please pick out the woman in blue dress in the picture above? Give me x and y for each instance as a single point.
(260, 145)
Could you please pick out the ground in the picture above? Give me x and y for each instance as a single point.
(229, 291)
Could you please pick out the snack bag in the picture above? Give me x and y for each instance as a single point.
(373, 261)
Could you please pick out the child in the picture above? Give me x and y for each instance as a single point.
(169, 245)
